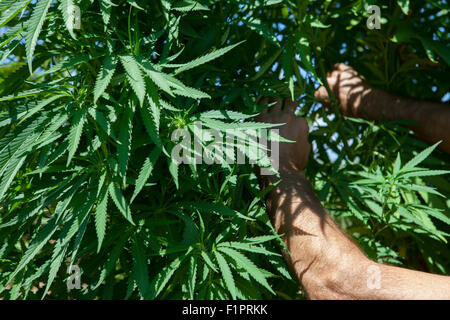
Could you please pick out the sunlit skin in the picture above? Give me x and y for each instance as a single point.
(327, 262)
(358, 99)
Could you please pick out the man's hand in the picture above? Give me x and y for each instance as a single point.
(293, 156)
(349, 88)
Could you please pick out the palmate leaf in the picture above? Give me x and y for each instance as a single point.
(206, 58)
(104, 124)
(419, 158)
(81, 208)
(134, 76)
(34, 27)
(220, 125)
(260, 28)
(42, 104)
(65, 7)
(435, 213)
(248, 265)
(112, 258)
(187, 6)
(104, 76)
(42, 237)
(10, 34)
(208, 261)
(225, 114)
(404, 5)
(180, 89)
(100, 216)
(261, 239)
(173, 169)
(125, 137)
(247, 247)
(67, 63)
(192, 275)
(9, 174)
(159, 78)
(23, 94)
(140, 266)
(424, 173)
(302, 46)
(12, 11)
(76, 130)
(226, 274)
(57, 259)
(106, 8)
(162, 278)
(209, 207)
(189, 92)
(13, 145)
(151, 127)
(120, 202)
(146, 171)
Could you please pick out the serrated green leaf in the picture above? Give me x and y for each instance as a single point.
(248, 265)
(66, 6)
(120, 202)
(187, 6)
(125, 137)
(146, 171)
(225, 114)
(12, 11)
(173, 169)
(404, 5)
(208, 261)
(247, 247)
(76, 130)
(162, 278)
(214, 208)
(111, 261)
(226, 274)
(34, 27)
(140, 266)
(192, 276)
(206, 58)
(134, 76)
(100, 216)
(104, 76)
(419, 158)
(260, 28)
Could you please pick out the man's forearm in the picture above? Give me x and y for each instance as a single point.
(433, 118)
(313, 239)
(329, 264)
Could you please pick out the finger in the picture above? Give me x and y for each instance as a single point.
(321, 93)
(343, 67)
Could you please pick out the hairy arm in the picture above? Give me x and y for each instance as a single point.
(358, 99)
(327, 262)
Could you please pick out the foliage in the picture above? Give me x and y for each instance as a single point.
(86, 117)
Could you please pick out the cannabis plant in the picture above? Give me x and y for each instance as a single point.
(91, 92)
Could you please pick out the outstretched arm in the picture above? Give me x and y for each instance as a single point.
(327, 262)
(358, 99)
